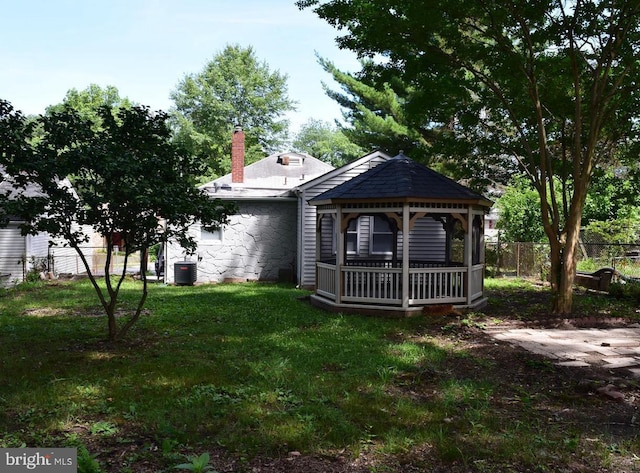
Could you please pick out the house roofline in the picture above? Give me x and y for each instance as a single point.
(337, 171)
(256, 198)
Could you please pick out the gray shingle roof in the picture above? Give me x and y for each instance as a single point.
(401, 178)
(275, 175)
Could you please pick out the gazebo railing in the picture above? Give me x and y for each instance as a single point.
(387, 263)
(437, 285)
(477, 281)
(326, 280)
(383, 285)
(371, 285)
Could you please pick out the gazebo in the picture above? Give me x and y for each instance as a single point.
(397, 238)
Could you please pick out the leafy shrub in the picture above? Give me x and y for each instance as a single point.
(87, 462)
(625, 289)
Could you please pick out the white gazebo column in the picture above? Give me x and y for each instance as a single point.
(319, 235)
(405, 255)
(468, 254)
(339, 236)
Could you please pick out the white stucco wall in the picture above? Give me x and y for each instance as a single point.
(257, 244)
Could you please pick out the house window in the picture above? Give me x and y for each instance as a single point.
(351, 239)
(210, 235)
(382, 240)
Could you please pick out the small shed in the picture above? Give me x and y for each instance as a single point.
(423, 244)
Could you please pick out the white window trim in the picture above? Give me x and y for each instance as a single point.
(211, 240)
(372, 232)
(356, 232)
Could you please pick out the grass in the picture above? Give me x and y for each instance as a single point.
(253, 369)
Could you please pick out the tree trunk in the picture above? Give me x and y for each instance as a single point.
(563, 300)
(564, 259)
(145, 291)
(111, 323)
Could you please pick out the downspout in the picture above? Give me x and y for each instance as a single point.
(300, 243)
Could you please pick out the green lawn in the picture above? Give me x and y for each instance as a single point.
(254, 370)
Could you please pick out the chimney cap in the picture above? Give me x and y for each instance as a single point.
(237, 128)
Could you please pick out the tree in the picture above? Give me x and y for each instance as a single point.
(614, 194)
(234, 88)
(519, 211)
(384, 112)
(376, 113)
(612, 207)
(325, 142)
(87, 102)
(127, 178)
(548, 85)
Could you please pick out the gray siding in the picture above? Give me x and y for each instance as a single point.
(307, 225)
(428, 249)
(12, 251)
(37, 246)
(19, 253)
(432, 248)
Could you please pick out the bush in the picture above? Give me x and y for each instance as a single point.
(625, 289)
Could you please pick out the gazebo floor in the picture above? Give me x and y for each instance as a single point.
(388, 311)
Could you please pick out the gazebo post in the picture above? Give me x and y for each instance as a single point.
(405, 255)
(339, 253)
(468, 254)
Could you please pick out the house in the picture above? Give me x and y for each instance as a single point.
(21, 254)
(260, 240)
(288, 228)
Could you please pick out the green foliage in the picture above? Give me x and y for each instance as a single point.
(88, 102)
(375, 110)
(87, 463)
(103, 428)
(197, 464)
(325, 142)
(625, 289)
(615, 231)
(36, 267)
(124, 175)
(519, 210)
(614, 194)
(234, 88)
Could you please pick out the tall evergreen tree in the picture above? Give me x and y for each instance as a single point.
(375, 112)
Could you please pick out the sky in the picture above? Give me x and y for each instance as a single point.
(146, 47)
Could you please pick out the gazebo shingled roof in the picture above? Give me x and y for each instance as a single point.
(401, 177)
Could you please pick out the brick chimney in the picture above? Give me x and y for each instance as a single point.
(237, 155)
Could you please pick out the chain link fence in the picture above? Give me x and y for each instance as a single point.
(531, 260)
